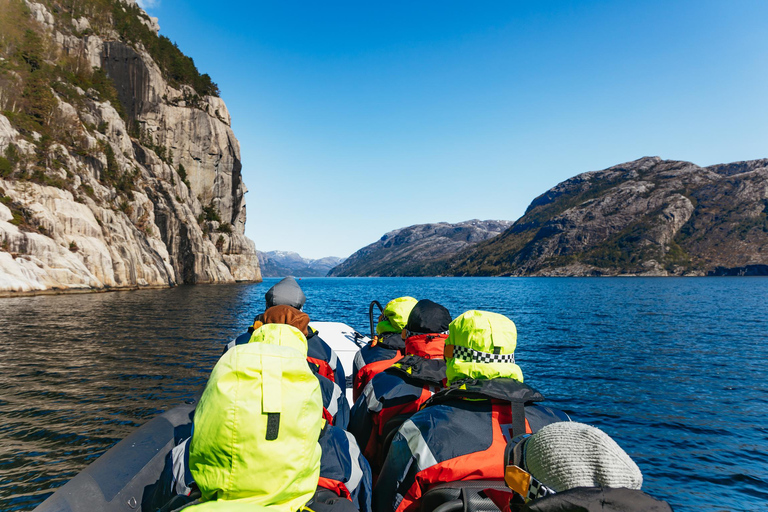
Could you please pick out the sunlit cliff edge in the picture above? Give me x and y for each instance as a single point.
(118, 165)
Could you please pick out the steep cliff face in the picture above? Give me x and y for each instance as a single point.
(647, 217)
(412, 251)
(117, 172)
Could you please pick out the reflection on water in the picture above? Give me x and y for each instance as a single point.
(80, 372)
(673, 369)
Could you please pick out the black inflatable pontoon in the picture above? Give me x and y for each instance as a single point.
(120, 479)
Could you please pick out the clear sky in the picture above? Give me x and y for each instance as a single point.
(356, 118)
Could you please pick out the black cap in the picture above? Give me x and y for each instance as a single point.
(428, 317)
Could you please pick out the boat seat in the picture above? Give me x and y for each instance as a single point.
(463, 496)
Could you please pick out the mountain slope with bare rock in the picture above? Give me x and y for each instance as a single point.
(410, 251)
(647, 217)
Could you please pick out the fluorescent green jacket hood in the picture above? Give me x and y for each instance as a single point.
(237, 454)
(396, 312)
(280, 334)
(488, 336)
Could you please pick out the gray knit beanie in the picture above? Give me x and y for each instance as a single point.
(286, 293)
(567, 454)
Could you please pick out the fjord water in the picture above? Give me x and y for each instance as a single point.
(673, 368)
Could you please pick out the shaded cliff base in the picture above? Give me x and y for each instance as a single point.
(749, 270)
(4, 294)
(68, 291)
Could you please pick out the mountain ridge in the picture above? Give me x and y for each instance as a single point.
(405, 251)
(648, 217)
(289, 263)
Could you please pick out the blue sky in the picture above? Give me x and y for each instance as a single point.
(357, 118)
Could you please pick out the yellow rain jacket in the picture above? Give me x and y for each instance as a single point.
(257, 425)
(481, 345)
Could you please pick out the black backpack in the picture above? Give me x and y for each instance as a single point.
(594, 499)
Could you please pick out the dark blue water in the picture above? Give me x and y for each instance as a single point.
(673, 369)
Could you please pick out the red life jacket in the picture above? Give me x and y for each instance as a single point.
(374, 358)
(428, 346)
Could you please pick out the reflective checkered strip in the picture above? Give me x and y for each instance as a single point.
(537, 490)
(468, 354)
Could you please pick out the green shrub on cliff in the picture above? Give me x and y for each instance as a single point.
(211, 213)
(5, 167)
(178, 68)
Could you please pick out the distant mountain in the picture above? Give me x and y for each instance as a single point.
(285, 263)
(408, 251)
(647, 217)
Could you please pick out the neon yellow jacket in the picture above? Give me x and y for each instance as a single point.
(241, 456)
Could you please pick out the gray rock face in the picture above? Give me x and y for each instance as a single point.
(411, 251)
(285, 263)
(647, 217)
(169, 229)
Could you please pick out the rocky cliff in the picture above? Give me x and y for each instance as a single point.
(648, 217)
(120, 168)
(414, 250)
(286, 263)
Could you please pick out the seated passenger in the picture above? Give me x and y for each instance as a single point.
(400, 390)
(344, 472)
(572, 467)
(288, 293)
(385, 348)
(461, 432)
(257, 425)
(338, 455)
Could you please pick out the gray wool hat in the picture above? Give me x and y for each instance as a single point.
(567, 454)
(286, 293)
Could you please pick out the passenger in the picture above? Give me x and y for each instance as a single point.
(257, 426)
(340, 458)
(386, 347)
(344, 472)
(461, 432)
(335, 405)
(570, 466)
(288, 293)
(399, 391)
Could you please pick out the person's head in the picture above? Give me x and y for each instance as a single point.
(481, 345)
(257, 424)
(430, 319)
(395, 315)
(286, 293)
(287, 315)
(565, 455)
